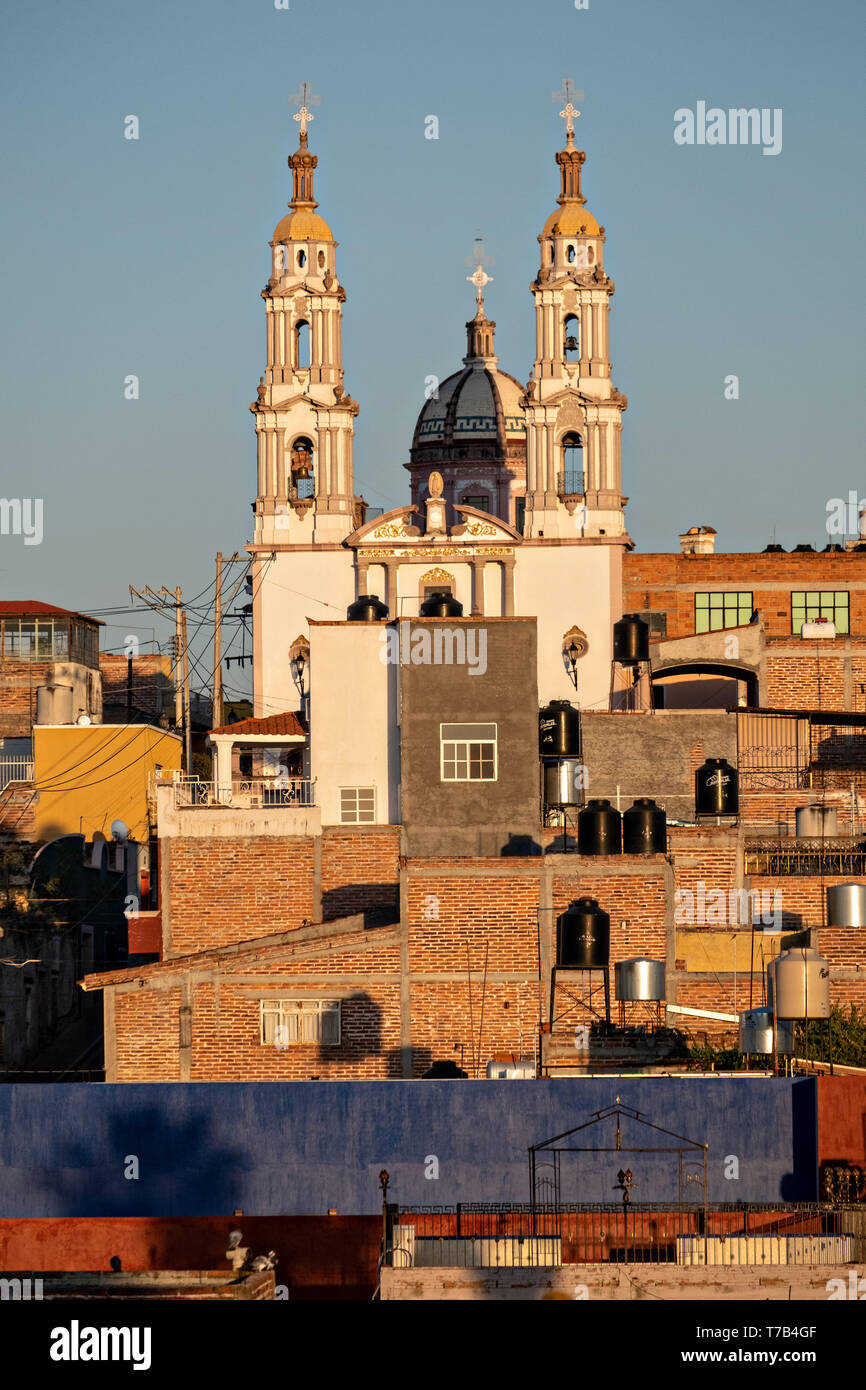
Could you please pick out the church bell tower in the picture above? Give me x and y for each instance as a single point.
(304, 419)
(573, 410)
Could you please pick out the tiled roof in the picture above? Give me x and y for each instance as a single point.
(31, 608)
(290, 723)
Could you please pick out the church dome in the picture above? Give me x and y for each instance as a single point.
(303, 225)
(473, 405)
(571, 220)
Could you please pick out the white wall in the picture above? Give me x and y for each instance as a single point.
(297, 585)
(564, 586)
(353, 717)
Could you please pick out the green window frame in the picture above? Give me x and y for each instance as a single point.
(726, 608)
(809, 604)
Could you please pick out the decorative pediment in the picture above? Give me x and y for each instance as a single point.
(480, 527)
(393, 526)
(436, 576)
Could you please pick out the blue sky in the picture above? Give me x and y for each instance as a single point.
(148, 256)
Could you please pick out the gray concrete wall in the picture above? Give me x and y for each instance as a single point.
(489, 818)
(651, 754)
(619, 1283)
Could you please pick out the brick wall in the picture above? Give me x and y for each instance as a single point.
(667, 583)
(219, 891)
(360, 869)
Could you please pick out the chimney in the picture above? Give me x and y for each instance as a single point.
(698, 540)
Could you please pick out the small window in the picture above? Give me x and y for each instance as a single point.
(290, 1021)
(302, 344)
(321, 260)
(357, 805)
(571, 343)
(806, 606)
(713, 612)
(569, 255)
(302, 258)
(519, 514)
(468, 752)
(478, 499)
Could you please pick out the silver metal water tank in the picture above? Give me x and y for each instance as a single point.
(54, 704)
(521, 1070)
(846, 905)
(815, 821)
(756, 1032)
(563, 782)
(639, 979)
(802, 984)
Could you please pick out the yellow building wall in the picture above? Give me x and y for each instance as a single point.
(90, 775)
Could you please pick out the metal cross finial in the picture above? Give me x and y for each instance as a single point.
(479, 280)
(569, 110)
(306, 99)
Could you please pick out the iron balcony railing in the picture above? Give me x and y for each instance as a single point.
(792, 855)
(490, 1235)
(246, 793)
(15, 770)
(571, 483)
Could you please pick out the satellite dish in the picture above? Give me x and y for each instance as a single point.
(120, 831)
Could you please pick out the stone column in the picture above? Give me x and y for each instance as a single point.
(508, 562)
(478, 563)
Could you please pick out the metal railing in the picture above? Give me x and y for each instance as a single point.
(571, 483)
(246, 793)
(490, 1235)
(791, 855)
(15, 770)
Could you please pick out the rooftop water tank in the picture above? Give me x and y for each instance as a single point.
(559, 730)
(563, 781)
(367, 608)
(639, 979)
(846, 905)
(801, 986)
(441, 605)
(716, 789)
(54, 703)
(630, 640)
(583, 936)
(756, 1032)
(644, 828)
(816, 821)
(599, 829)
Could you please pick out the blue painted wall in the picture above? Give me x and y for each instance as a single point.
(301, 1147)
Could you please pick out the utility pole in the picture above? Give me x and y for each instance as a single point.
(217, 710)
(178, 650)
(186, 721)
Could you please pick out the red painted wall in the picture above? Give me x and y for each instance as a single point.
(320, 1257)
(842, 1120)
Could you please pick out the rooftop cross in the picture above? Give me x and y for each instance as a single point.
(304, 96)
(569, 110)
(479, 279)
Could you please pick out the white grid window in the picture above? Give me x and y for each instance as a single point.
(357, 805)
(468, 752)
(286, 1021)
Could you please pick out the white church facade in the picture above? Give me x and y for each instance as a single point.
(515, 504)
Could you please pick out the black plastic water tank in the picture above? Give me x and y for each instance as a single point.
(716, 789)
(644, 828)
(599, 829)
(583, 936)
(367, 608)
(630, 640)
(559, 730)
(441, 605)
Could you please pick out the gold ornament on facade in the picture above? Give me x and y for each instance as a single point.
(436, 576)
